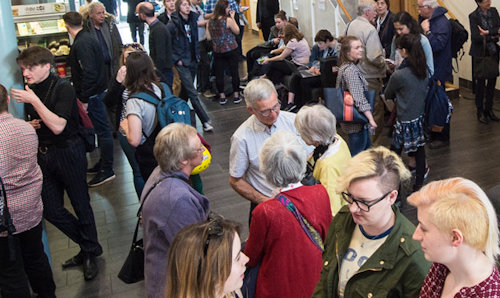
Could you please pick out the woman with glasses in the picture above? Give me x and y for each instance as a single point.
(116, 99)
(369, 251)
(458, 232)
(169, 202)
(287, 232)
(351, 79)
(206, 261)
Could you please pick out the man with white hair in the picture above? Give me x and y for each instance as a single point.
(372, 66)
(245, 176)
(438, 30)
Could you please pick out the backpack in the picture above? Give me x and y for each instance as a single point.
(169, 109)
(458, 37)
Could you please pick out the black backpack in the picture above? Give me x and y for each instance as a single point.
(458, 37)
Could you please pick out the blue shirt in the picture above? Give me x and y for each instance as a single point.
(209, 6)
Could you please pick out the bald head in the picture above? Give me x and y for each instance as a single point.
(146, 9)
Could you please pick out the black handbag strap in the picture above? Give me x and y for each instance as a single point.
(9, 226)
(177, 176)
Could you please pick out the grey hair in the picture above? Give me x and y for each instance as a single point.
(431, 3)
(316, 124)
(93, 5)
(283, 159)
(258, 89)
(365, 5)
(173, 145)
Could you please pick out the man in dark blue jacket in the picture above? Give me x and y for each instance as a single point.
(438, 30)
(183, 28)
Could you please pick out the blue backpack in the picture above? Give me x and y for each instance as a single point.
(169, 109)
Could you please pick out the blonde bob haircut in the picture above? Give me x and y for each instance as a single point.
(173, 145)
(459, 203)
(316, 124)
(200, 260)
(379, 163)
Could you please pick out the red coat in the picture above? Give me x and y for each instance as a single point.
(290, 262)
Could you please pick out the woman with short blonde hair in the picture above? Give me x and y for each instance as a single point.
(458, 232)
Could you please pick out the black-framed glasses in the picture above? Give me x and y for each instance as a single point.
(215, 230)
(276, 108)
(365, 206)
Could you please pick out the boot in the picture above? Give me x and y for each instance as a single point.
(491, 115)
(482, 117)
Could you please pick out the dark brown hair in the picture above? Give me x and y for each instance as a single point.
(281, 15)
(323, 35)
(73, 19)
(416, 57)
(35, 55)
(387, 2)
(220, 9)
(290, 32)
(140, 73)
(406, 19)
(4, 107)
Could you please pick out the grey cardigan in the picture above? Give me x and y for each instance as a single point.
(409, 92)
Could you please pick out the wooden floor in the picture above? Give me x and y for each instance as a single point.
(472, 154)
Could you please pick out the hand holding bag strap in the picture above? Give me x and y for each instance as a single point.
(306, 226)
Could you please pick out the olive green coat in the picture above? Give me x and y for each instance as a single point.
(396, 269)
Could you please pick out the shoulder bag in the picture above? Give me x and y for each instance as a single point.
(341, 103)
(132, 270)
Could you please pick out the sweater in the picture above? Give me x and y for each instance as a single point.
(290, 263)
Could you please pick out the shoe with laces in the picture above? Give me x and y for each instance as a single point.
(223, 101)
(290, 107)
(237, 100)
(101, 178)
(207, 127)
(95, 169)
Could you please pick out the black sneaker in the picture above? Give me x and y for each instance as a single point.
(96, 168)
(101, 178)
(237, 100)
(223, 101)
(290, 107)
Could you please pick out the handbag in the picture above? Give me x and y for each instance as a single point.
(86, 129)
(484, 66)
(341, 104)
(132, 270)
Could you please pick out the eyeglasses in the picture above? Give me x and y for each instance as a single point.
(362, 204)
(215, 230)
(420, 6)
(134, 45)
(275, 108)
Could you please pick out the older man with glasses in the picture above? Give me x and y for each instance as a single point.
(245, 176)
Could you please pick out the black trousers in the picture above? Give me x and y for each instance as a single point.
(64, 169)
(420, 165)
(223, 60)
(302, 88)
(29, 263)
(485, 91)
(276, 70)
(265, 26)
(137, 29)
(203, 76)
(252, 56)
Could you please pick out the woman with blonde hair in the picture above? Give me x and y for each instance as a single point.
(458, 232)
(206, 261)
(368, 249)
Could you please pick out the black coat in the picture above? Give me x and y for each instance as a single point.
(131, 17)
(160, 47)
(266, 9)
(476, 45)
(87, 66)
(386, 33)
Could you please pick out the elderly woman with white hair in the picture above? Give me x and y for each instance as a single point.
(169, 203)
(317, 127)
(458, 232)
(287, 232)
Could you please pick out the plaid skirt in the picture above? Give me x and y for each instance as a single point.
(409, 134)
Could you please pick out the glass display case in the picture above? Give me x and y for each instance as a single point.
(42, 24)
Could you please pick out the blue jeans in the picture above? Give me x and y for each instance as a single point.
(129, 151)
(187, 75)
(99, 118)
(359, 141)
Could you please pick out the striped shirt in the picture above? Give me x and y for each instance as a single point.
(20, 172)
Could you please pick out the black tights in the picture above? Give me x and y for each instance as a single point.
(420, 165)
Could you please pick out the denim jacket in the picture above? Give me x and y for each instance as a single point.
(396, 269)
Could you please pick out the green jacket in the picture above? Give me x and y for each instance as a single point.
(396, 269)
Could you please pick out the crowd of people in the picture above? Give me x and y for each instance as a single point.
(324, 216)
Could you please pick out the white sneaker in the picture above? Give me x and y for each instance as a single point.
(207, 127)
